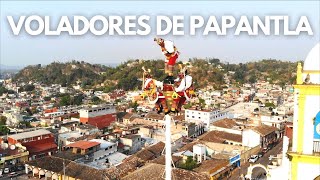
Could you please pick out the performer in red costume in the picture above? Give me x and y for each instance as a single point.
(153, 89)
(184, 89)
(171, 53)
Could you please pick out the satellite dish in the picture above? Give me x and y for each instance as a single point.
(4, 145)
(12, 147)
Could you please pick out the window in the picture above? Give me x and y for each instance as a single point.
(192, 116)
(187, 115)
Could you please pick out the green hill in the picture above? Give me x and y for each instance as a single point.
(128, 75)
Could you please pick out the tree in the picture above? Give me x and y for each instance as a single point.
(4, 130)
(95, 100)
(189, 164)
(214, 61)
(187, 106)
(134, 105)
(3, 90)
(65, 100)
(29, 87)
(77, 100)
(252, 79)
(268, 104)
(3, 120)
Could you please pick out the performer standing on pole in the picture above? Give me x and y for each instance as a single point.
(171, 53)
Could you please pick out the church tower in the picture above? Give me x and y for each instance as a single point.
(305, 154)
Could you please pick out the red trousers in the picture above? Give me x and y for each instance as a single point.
(173, 59)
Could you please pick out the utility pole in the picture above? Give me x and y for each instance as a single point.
(168, 147)
(64, 171)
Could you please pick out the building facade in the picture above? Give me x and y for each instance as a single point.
(305, 154)
(39, 143)
(205, 116)
(100, 117)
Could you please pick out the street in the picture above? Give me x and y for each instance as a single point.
(258, 173)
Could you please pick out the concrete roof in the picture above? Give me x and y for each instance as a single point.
(30, 134)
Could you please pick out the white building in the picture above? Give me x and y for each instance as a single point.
(205, 116)
(133, 143)
(250, 138)
(262, 135)
(199, 152)
(106, 148)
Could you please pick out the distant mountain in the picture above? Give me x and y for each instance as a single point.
(6, 67)
(111, 64)
(61, 73)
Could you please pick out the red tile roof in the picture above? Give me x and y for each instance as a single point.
(41, 148)
(220, 137)
(264, 130)
(83, 144)
(225, 123)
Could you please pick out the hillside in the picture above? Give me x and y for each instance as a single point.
(60, 73)
(128, 75)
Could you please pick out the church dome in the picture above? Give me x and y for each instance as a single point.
(312, 62)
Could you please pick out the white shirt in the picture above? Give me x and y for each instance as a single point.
(169, 46)
(185, 84)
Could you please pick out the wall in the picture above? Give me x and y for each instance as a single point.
(250, 138)
(232, 131)
(246, 155)
(104, 152)
(97, 118)
(308, 171)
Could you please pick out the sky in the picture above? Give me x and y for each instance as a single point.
(25, 50)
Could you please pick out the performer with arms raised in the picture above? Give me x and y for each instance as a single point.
(171, 53)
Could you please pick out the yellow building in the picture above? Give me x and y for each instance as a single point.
(305, 154)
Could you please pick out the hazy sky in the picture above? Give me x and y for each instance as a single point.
(25, 49)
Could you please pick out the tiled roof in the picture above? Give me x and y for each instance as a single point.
(144, 155)
(49, 163)
(225, 123)
(264, 129)
(72, 169)
(148, 153)
(211, 166)
(127, 116)
(41, 148)
(128, 166)
(83, 172)
(161, 160)
(155, 116)
(189, 146)
(156, 148)
(83, 144)
(156, 172)
(220, 137)
(139, 159)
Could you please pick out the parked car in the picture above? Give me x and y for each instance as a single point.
(6, 170)
(265, 150)
(253, 158)
(260, 154)
(20, 168)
